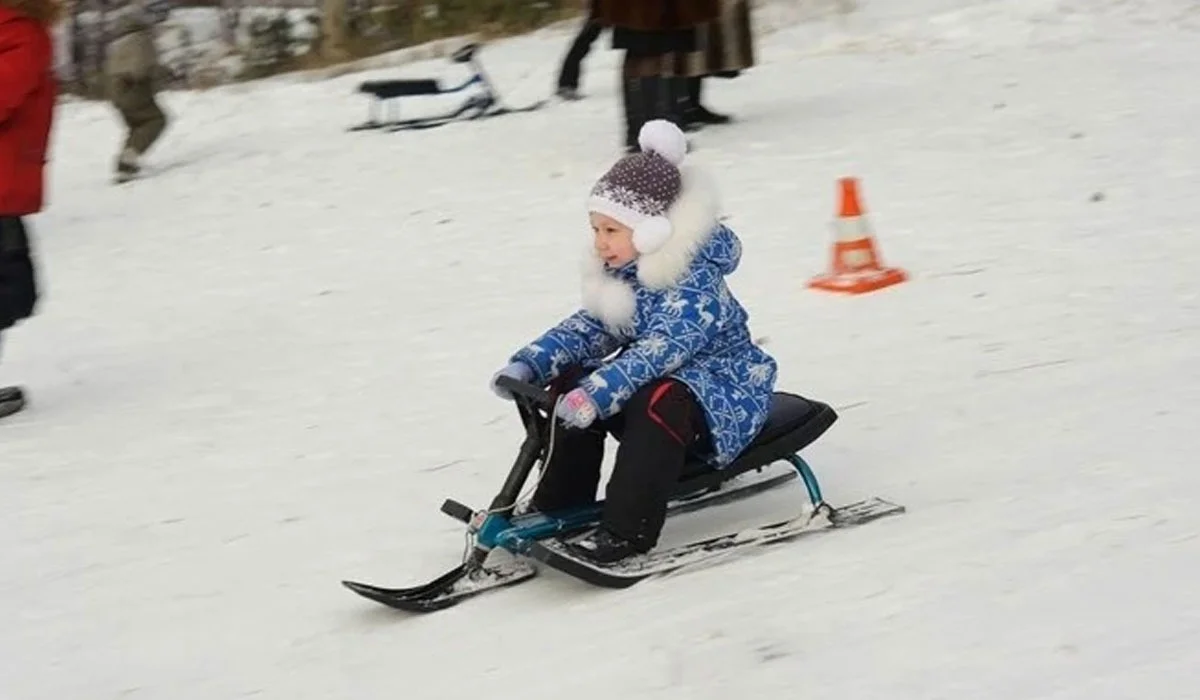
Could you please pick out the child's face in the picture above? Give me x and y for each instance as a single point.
(614, 240)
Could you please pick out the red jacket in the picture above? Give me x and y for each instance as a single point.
(27, 94)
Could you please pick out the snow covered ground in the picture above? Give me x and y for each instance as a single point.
(261, 371)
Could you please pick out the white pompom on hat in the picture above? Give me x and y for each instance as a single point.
(664, 138)
(639, 189)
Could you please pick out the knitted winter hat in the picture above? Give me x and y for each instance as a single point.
(641, 187)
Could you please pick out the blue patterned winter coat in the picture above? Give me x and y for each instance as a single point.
(673, 315)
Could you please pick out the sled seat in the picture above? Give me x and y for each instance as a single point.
(388, 89)
(793, 423)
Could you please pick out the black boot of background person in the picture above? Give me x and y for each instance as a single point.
(695, 113)
(631, 98)
(680, 101)
(644, 102)
(662, 99)
(651, 98)
(659, 99)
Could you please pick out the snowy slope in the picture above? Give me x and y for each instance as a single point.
(262, 371)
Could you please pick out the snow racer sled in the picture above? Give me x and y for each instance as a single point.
(520, 542)
(478, 106)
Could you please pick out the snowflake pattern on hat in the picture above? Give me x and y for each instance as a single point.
(639, 186)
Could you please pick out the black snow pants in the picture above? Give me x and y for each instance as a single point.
(18, 281)
(659, 428)
(568, 75)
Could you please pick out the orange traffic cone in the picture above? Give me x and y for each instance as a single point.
(856, 267)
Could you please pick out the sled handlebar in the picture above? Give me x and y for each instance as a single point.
(535, 394)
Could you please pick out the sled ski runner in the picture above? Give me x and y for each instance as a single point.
(709, 551)
(464, 581)
(522, 541)
(458, 584)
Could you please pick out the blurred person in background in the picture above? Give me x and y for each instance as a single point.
(653, 34)
(724, 48)
(133, 74)
(568, 75)
(27, 94)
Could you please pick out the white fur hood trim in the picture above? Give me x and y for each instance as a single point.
(609, 299)
(693, 218)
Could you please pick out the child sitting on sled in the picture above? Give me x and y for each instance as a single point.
(688, 381)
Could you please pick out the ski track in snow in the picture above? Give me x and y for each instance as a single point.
(261, 371)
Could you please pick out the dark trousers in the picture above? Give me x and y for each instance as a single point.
(18, 283)
(136, 101)
(658, 428)
(568, 77)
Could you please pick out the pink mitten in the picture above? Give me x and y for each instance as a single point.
(576, 409)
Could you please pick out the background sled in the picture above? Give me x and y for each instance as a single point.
(386, 94)
(518, 540)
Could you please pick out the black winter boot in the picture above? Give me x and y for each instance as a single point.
(658, 99)
(677, 98)
(602, 547)
(696, 113)
(653, 101)
(631, 94)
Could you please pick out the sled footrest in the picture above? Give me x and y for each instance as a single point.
(457, 510)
